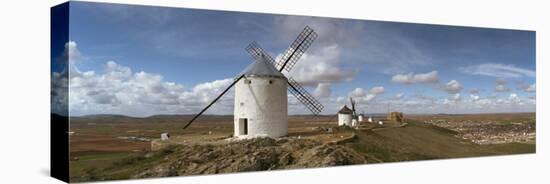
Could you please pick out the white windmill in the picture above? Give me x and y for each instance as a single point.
(348, 116)
(261, 104)
(345, 116)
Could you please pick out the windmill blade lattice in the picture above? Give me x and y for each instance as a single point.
(256, 52)
(304, 97)
(297, 49)
(287, 62)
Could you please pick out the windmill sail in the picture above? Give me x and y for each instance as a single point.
(257, 53)
(214, 101)
(297, 49)
(287, 62)
(304, 97)
(353, 107)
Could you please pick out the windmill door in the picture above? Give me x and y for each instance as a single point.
(243, 126)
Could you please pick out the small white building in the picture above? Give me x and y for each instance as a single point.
(360, 118)
(370, 119)
(261, 102)
(345, 116)
(164, 136)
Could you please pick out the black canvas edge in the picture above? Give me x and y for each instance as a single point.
(59, 123)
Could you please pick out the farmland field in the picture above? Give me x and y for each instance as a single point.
(106, 147)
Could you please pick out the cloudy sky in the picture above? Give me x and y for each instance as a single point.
(140, 61)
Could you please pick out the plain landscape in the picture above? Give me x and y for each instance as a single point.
(107, 147)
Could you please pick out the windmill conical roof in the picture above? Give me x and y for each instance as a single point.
(261, 67)
(345, 110)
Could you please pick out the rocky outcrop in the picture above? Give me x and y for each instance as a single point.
(257, 154)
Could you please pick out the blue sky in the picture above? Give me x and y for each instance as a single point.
(416, 68)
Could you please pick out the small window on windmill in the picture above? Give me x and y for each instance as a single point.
(270, 81)
(247, 81)
(242, 103)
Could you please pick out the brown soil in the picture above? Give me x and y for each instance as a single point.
(99, 143)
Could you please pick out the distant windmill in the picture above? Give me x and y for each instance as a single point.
(353, 107)
(360, 117)
(354, 121)
(261, 98)
(346, 116)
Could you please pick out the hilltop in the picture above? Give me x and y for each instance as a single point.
(257, 154)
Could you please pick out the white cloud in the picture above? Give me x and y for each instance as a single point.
(119, 90)
(60, 80)
(377, 90)
(340, 99)
(323, 90)
(320, 67)
(474, 97)
(412, 78)
(362, 97)
(453, 103)
(71, 56)
(71, 53)
(358, 92)
(474, 91)
(501, 88)
(456, 97)
(453, 100)
(530, 88)
(368, 98)
(502, 85)
(514, 98)
(498, 70)
(432, 77)
(398, 96)
(483, 103)
(113, 71)
(361, 93)
(213, 86)
(386, 51)
(452, 87)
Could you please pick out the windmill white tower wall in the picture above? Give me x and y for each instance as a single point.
(344, 119)
(261, 102)
(345, 116)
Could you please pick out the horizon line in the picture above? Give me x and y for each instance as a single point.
(52, 113)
